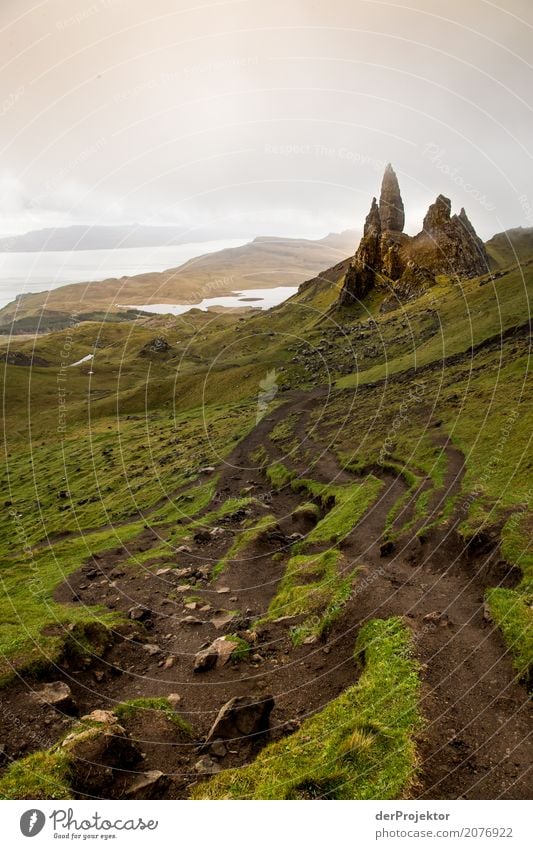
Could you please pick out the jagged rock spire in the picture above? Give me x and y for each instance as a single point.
(386, 256)
(438, 215)
(373, 220)
(391, 210)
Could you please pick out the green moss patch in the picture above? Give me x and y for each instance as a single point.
(42, 775)
(136, 707)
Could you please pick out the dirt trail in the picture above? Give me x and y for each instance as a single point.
(474, 744)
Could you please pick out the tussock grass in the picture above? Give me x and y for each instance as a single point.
(513, 609)
(28, 610)
(308, 510)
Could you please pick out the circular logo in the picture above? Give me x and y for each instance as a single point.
(32, 822)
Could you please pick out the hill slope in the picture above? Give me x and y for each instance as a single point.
(263, 263)
(342, 494)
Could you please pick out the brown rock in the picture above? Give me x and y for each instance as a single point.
(191, 621)
(224, 619)
(57, 694)
(206, 766)
(148, 785)
(174, 699)
(95, 755)
(447, 244)
(241, 717)
(205, 659)
(139, 613)
(105, 716)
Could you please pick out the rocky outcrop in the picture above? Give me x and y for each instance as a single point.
(99, 756)
(391, 211)
(360, 276)
(19, 358)
(447, 244)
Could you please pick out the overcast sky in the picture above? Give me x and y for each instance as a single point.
(263, 116)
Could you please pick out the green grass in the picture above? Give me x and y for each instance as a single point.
(41, 775)
(308, 510)
(242, 648)
(165, 550)
(347, 503)
(512, 609)
(27, 606)
(494, 432)
(244, 539)
(513, 614)
(465, 314)
(360, 746)
(314, 586)
(283, 431)
(278, 475)
(136, 707)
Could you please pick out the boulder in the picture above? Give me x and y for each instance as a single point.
(191, 621)
(241, 717)
(202, 536)
(174, 699)
(105, 716)
(386, 548)
(139, 613)
(58, 695)
(159, 345)
(206, 766)
(218, 748)
(224, 648)
(224, 619)
(147, 785)
(151, 648)
(205, 659)
(99, 757)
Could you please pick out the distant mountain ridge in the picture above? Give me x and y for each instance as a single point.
(88, 237)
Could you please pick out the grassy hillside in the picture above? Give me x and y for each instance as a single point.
(358, 476)
(512, 246)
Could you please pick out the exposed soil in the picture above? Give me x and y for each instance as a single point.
(475, 744)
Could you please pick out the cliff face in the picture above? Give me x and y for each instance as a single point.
(447, 244)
